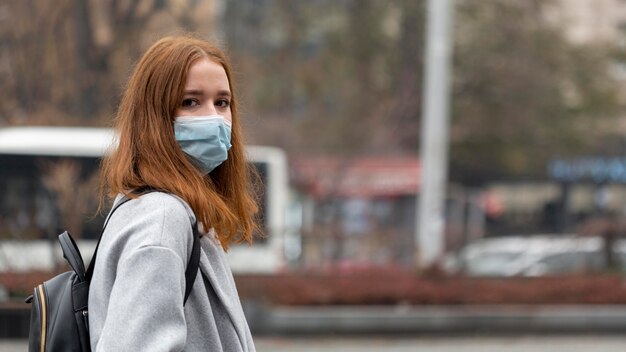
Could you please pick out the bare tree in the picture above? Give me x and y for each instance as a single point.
(75, 196)
(64, 61)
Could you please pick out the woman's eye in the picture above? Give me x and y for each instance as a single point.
(188, 103)
(222, 103)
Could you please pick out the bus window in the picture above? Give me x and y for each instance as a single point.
(35, 204)
(40, 196)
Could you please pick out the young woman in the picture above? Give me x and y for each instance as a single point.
(179, 133)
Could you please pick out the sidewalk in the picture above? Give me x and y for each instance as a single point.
(438, 319)
(509, 343)
(356, 320)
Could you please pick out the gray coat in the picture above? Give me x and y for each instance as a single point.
(137, 291)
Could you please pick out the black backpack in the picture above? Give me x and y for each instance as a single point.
(59, 315)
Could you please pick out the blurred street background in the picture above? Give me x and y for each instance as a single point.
(469, 344)
(428, 167)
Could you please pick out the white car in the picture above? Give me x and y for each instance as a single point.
(535, 255)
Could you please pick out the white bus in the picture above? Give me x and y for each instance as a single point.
(48, 183)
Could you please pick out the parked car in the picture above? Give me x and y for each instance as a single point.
(536, 255)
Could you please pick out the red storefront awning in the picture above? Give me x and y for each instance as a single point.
(363, 176)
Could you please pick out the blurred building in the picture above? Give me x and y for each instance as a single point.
(359, 211)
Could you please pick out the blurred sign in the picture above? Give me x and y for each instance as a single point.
(365, 176)
(599, 170)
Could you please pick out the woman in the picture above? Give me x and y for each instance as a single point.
(179, 133)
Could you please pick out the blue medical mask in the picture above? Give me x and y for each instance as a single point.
(206, 139)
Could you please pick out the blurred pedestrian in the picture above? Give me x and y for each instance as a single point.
(178, 133)
(610, 226)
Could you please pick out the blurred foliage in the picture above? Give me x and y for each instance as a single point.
(64, 61)
(333, 76)
(345, 77)
(523, 94)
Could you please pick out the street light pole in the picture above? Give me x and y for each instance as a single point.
(434, 136)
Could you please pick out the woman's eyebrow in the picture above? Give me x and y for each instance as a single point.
(197, 92)
(193, 92)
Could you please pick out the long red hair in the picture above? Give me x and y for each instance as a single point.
(149, 156)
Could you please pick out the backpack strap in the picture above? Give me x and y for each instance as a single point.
(72, 255)
(92, 264)
(194, 261)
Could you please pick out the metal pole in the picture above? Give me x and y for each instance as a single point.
(434, 139)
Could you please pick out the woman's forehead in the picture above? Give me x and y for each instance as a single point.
(205, 71)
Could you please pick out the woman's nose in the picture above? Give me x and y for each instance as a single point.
(209, 109)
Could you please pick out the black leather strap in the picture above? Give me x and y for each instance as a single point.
(92, 264)
(194, 263)
(72, 254)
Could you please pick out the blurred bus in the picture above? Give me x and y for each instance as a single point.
(49, 180)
